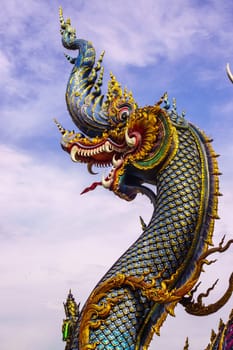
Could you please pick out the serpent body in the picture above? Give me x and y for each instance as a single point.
(153, 145)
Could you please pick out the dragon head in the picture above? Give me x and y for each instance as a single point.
(114, 131)
(136, 147)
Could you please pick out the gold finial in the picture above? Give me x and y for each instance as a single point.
(71, 307)
(62, 21)
(116, 97)
(60, 127)
(65, 24)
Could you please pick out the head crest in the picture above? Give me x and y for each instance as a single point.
(116, 98)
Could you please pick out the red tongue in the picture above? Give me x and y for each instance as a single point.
(91, 188)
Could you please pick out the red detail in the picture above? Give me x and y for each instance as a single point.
(91, 188)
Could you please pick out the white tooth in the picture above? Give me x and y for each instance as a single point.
(106, 183)
(111, 175)
(116, 162)
(131, 141)
(89, 168)
(108, 147)
(73, 152)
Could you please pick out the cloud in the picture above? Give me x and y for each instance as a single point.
(51, 238)
(34, 73)
(142, 34)
(5, 65)
(54, 240)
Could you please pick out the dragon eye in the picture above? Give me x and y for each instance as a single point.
(124, 113)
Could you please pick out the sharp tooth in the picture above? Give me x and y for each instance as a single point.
(108, 147)
(73, 152)
(131, 141)
(116, 162)
(89, 168)
(106, 183)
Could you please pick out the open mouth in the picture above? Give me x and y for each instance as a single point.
(121, 149)
(103, 154)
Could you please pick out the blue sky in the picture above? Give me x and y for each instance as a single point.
(53, 239)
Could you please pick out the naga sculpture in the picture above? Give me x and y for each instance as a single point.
(149, 145)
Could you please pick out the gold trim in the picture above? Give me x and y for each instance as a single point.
(96, 311)
(202, 210)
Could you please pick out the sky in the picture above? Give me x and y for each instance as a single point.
(53, 239)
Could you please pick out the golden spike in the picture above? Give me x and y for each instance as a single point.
(114, 87)
(216, 173)
(162, 99)
(213, 335)
(65, 24)
(62, 21)
(170, 309)
(218, 194)
(209, 241)
(186, 346)
(208, 140)
(143, 224)
(60, 128)
(221, 324)
(156, 330)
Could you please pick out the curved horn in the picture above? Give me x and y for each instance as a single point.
(229, 74)
(89, 111)
(83, 95)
